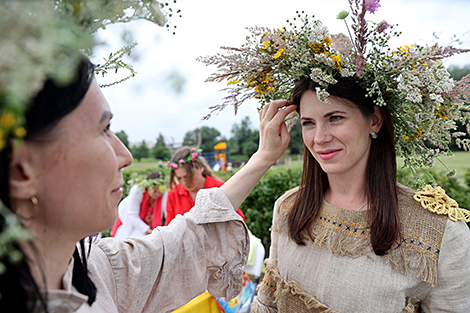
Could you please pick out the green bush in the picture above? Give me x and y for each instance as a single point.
(258, 206)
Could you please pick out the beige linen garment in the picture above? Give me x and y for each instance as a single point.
(428, 270)
(206, 249)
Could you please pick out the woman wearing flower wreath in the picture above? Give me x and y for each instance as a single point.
(193, 174)
(143, 209)
(62, 192)
(350, 238)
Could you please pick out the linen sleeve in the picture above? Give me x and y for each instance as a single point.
(452, 293)
(130, 213)
(206, 249)
(265, 302)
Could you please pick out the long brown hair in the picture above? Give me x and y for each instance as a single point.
(381, 185)
(183, 153)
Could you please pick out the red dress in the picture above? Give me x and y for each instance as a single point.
(150, 215)
(179, 200)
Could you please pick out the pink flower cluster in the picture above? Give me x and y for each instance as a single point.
(372, 5)
(173, 165)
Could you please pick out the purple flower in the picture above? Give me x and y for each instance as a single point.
(382, 26)
(372, 5)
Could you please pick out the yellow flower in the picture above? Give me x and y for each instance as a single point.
(327, 41)
(266, 44)
(406, 137)
(267, 80)
(19, 132)
(337, 58)
(418, 134)
(7, 119)
(233, 81)
(279, 53)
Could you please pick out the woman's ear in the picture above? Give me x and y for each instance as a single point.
(376, 119)
(21, 173)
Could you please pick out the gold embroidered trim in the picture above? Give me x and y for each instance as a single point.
(436, 201)
(413, 305)
(287, 295)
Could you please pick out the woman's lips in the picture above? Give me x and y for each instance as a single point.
(328, 154)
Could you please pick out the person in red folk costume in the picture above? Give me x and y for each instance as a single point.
(143, 209)
(193, 174)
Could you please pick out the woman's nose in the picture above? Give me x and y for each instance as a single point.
(123, 154)
(322, 135)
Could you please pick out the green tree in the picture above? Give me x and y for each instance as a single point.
(140, 151)
(123, 137)
(296, 144)
(244, 137)
(160, 150)
(458, 72)
(205, 137)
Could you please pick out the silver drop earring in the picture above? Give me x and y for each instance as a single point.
(374, 135)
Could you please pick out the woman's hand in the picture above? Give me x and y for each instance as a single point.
(274, 136)
(274, 139)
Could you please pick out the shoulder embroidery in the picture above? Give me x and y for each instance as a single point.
(436, 201)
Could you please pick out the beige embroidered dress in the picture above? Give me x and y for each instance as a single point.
(428, 270)
(207, 249)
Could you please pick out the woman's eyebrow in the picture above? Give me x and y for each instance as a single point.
(106, 116)
(333, 113)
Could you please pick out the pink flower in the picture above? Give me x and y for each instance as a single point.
(181, 161)
(383, 26)
(372, 5)
(194, 156)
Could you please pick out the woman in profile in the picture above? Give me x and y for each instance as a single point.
(64, 183)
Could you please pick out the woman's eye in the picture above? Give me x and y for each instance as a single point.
(336, 118)
(307, 123)
(107, 129)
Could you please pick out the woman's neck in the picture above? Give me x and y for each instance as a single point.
(50, 258)
(347, 192)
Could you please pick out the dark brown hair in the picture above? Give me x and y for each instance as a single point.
(183, 153)
(381, 186)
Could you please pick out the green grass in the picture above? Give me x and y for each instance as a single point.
(460, 162)
(149, 164)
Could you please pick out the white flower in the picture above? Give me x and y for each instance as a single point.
(157, 15)
(322, 58)
(322, 95)
(437, 98)
(323, 79)
(347, 73)
(319, 33)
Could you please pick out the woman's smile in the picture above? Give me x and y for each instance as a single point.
(328, 154)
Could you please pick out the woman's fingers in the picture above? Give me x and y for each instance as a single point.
(271, 109)
(274, 136)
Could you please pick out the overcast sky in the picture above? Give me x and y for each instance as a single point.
(147, 105)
